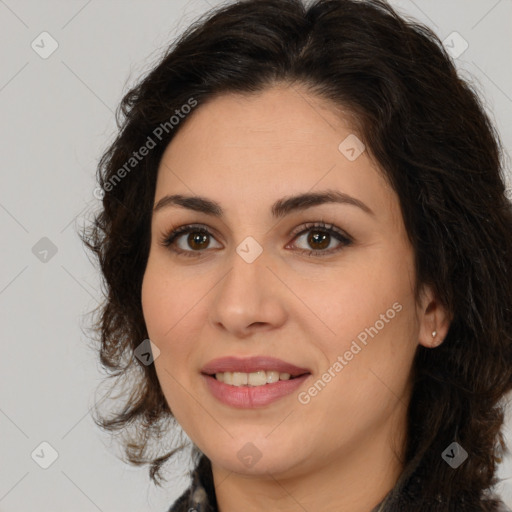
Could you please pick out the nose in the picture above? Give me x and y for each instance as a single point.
(249, 298)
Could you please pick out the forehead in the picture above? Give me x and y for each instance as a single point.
(256, 148)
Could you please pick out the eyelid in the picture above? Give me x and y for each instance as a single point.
(175, 232)
(172, 234)
(308, 226)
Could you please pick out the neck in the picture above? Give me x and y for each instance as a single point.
(349, 480)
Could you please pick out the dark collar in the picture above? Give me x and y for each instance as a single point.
(200, 496)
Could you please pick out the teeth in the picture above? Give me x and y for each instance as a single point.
(259, 378)
(239, 379)
(272, 377)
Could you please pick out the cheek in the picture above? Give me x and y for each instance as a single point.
(165, 302)
(171, 310)
(370, 312)
(165, 315)
(353, 299)
(154, 301)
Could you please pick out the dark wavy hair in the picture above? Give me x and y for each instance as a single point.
(428, 131)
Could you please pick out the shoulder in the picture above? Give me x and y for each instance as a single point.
(181, 504)
(200, 496)
(405, 497)
(405, 503)
(408, 496)
(194, 499)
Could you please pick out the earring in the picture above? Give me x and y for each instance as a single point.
(434, 334)
(437, 342)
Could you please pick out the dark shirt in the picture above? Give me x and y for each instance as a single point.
(200, 496)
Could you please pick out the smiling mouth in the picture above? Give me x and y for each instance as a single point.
(253, 379)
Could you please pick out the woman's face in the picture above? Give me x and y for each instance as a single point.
(346, 315)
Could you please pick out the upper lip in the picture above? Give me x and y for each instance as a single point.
(250, 365)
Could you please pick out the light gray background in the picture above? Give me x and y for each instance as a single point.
(56, 119)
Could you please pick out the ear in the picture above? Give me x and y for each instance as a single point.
(434, 320)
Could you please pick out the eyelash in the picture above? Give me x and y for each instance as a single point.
(170, 237)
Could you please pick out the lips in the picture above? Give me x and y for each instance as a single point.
(252, 364)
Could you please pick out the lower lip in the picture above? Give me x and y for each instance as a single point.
(248, 397)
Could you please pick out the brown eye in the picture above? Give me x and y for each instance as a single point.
(194, 244)
(320, 237)
(197, 240)
(317, 239)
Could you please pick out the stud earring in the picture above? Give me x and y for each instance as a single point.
(436, 342)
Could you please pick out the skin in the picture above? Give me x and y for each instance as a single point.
(341, 450)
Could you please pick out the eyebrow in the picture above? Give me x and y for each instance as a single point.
(280, 208)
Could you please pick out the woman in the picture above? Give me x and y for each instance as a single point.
(305, 213)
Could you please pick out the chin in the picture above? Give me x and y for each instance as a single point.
(254, 458)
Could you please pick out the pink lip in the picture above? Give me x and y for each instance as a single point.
(251, 364)
(252, 396)
(248, 397)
